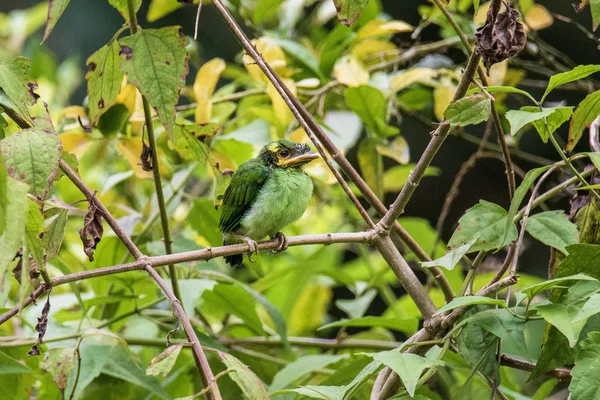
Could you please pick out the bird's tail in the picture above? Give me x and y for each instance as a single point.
(233, 260)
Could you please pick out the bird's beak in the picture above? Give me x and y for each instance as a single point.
(301, 159)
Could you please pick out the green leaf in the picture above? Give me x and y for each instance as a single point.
(32, 156)
(55, 233)
(533, 290)
(232, 299)
(104, 78)
(530, 178)
(579, 72)
(452, 258)
(554, 229)
(590, 307)
(16, 218)
(595, 8)
(505, 326)
(301, 367)
(164, 362)
(121, 6)
(469, 110)
(584, 115)
(478, 347)
(348, 11)
(561, 316)
(59, 363)
(9, 365)
(188, 140)
(371, 106)
(545, 389)
(395, 177)
(519, 118)
(409, 367)
(114, 120)
(407, 325)
(191, 291)
(205, 221)
(4, 199)
(486, 221)
(357, 307)
(33, 228)
(559, 116)
(265, 10)
(586, 373)
(18, 85)
(469, 301)
(371, 165)
(250, 384)
(502, 89)
(55, 10)
(155, 60)
(317, 392)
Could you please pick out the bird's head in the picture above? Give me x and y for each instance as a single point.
(286, 154)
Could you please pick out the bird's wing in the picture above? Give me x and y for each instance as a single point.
(241, 193)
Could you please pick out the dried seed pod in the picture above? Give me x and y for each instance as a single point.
(501, 37)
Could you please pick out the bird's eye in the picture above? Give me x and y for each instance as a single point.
(284, 154)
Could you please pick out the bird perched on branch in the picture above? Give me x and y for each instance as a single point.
(265, 194)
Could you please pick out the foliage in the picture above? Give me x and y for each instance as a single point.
(340, 314)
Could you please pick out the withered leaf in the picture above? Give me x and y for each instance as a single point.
(34, 269)
(501, 37)
(40, 328)
(92, 230)
(146, 157)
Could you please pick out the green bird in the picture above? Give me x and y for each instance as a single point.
(265, 194)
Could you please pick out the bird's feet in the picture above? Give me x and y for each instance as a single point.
(283, 242)
(252, 245)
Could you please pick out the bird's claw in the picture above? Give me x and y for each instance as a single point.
(253, 248)
(283, 242)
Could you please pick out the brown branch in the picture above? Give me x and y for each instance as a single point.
(562, 374)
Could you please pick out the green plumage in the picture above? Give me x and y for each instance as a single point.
(266, 193)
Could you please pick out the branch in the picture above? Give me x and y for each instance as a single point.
(562, 374)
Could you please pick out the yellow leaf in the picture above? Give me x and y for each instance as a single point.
(378, 27)
(75, 143)
(498, 73)
(131, 149)
(480, 15)
(72, 112)
(299, 136)
(283, 113)
(373, 50)
(415, 75)
(317, 169)
(442, 96)
(309, 310)
(349, 71)
(128, 97)
(204, 87)
(272, 54)
(538, 17)
(396, 150)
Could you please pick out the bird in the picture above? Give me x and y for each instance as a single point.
(266, 194)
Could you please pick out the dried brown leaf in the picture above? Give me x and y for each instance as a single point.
(92, 230)
(146, 157)
(40, 328)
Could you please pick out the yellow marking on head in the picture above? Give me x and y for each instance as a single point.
(273, 147)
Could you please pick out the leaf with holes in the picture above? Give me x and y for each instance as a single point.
(348, 11)
(470, 110)
(156, 61)
(104, 79)
(59, 364)
(188, 140)
(164, 362)
(18, 85)
(32, 156)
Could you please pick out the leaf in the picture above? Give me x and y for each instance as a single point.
(42, 321)
(519, 118)
(503, 89)
(371, 106)
(250, 384)
(161, 8)
(16, 217)
(371, 165)
(589, 308)
(561, 317)
(9, 365)
(164, 362)
(114, 180)
(545, 389)
(188, 140)
(104, 78)
(55, 233)
(357, 307)
(469, 110)
(265, 10)
(33, 229)
(469, 301)
(55, 10)
(478, 347)
(452, 258)
(232, 299)
(409, 367)
(559, 116)
(538, 18)
(18, 85)
(397, 150)
(586, 373)
(348, 11)
(301, 367)
(206, 221)
(155, 60)
(204, 87)
(378, 27)
(59, 363)
(92, 230)
(350, 71)
(406, 325)
(486, 221)
(32, 156)
(595, 8)
(553, 228)
(394, 178)
(317, 392)
(121, 6)
(191, 291)
(443, 96)
(577, 73)
(530, 177)
(584, 115)
(505, 326)
(532, 290)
